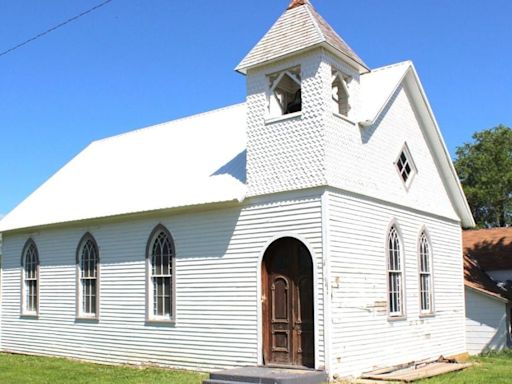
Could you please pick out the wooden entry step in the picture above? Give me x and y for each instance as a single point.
(264, 375)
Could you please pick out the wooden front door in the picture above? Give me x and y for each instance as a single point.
(288, 320)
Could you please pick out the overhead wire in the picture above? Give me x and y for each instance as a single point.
(54, 28)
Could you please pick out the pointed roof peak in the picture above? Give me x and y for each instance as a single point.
(299, 28)
(298, 3)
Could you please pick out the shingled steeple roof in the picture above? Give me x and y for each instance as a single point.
(299, 28)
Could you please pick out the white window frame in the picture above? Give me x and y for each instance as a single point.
(80, 312)
(30, 245)
(424, 239)
(409, 161)
(151, 317)
(392, 269)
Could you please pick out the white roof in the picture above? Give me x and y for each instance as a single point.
(378, 86)
(196, 160)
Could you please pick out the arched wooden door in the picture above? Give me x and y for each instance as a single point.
(287, 298)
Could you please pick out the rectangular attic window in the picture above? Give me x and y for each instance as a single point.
(285, 93)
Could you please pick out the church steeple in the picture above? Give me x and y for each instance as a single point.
(303, 85)
(298, 29)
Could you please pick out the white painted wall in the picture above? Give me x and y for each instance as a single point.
(216, 277)
(362, 336)
(487, 323)
(361, 160)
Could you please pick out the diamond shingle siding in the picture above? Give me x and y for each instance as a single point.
(289, 153)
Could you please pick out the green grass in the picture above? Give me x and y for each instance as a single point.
(493, 368)
(22, 369)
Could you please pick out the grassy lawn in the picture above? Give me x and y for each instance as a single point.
(493, 368)
(21, 369)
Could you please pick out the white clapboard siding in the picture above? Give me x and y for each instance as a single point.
(218, 254)
(362, 336)
(487, 323)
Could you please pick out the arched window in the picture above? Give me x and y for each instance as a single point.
(87, 278)
(30, 278)
(395, 275)
(425, 275)
(160, 266)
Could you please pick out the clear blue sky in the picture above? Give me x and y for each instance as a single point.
(134, 63)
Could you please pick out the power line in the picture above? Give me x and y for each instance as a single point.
(54, 28)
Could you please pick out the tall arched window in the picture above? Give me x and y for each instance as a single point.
(395, 275)
(161, 284)
(30, 279)
(425, 275)
(87, 278)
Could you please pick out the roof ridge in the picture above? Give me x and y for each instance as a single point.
(314, 20)
(175, 121)
(400, 63)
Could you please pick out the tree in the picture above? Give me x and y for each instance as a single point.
(485, 170)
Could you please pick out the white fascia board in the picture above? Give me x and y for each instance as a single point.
(353, 63)
(440, 149)
(411, 79)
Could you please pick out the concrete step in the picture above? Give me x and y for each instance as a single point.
(265, 375)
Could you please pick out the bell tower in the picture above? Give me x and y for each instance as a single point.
(302, 80)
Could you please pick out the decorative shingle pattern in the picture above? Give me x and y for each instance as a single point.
(287, 154)
(298, 28)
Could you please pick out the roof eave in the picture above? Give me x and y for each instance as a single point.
(236, 201)
(492, 295)
(361, 67)
(461, 204)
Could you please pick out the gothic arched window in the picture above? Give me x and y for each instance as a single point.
(88, 274)
(160, 266)
(30, 279)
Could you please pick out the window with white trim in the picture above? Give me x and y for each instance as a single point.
(285, 92)
(340, 94)
(425, 275)
(88, 287)
(395, 275)
(30, 279)
(405, 166)
(160, 261)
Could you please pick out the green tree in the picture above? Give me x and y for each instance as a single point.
(485, 170)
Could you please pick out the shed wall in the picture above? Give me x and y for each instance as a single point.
(487, 323)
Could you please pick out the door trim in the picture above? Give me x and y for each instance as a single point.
(314, 257)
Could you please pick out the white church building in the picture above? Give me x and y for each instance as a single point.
(316, 225)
